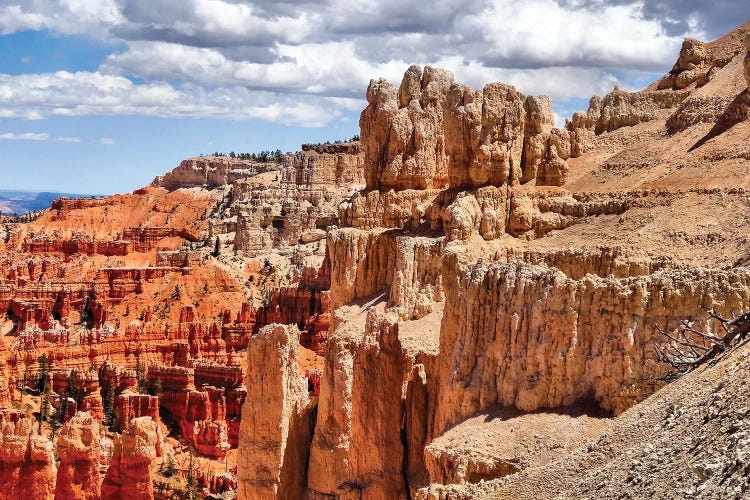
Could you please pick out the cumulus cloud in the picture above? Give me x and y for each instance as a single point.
(93, 17)
(304, 62)
(37, 136)
(305, 68)
(93, 93)
(546, 33)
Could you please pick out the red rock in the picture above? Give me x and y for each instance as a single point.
(129, 406)
(79, 452)
(28, 466)
(130, 475)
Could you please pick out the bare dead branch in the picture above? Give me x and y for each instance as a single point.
(690, 348)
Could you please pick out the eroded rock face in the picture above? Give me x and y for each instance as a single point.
(697, 64)
(130, 475)
(79, 452)
(548, 352)
(210, 172)
(620, 108)
(277, 419)
(28, 466)
(296, 204)
(432, 133)
(539, 123)
(357, 443)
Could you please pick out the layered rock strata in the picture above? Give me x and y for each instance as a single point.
(297, 204)
(358, 436)
(211, 172)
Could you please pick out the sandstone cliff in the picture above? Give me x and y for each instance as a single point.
(210, 172)
(685, 440)
(130, 475)
(277, 418)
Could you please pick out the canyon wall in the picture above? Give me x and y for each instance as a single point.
(79, 451)
(211, 172)
(464, 282)
(28, 464)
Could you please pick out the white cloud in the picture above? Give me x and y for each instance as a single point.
(107, 141)
(314, 68)
(92, 93)
(544, 33)
(76, 140)
(317, 69)
(27, 136)
(91, 17)
(37, 136)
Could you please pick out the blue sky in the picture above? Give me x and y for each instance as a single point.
(100, 96)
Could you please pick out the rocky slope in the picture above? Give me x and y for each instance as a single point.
(689, 440)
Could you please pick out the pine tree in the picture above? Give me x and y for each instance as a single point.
(168, 469)
(110, 418)
(57, 419)
(46, 391)
(157, 387)
(217, 247)
(191, 488)
(25, 376)
(140, 376)
(44, 407)
(43, 371)
(74, 392)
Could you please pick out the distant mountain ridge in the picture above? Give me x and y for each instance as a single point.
(20, 202)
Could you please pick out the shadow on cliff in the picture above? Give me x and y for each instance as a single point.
(737, 111)
(583, 407)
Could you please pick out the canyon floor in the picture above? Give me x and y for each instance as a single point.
(466, 303)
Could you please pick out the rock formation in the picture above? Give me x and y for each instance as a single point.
(296, 204)
(79, 452)
(746, 60)
(211, 172)
(358, 435)
(277, 418)
(28, 465)
(432, 133)
(130, 475)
